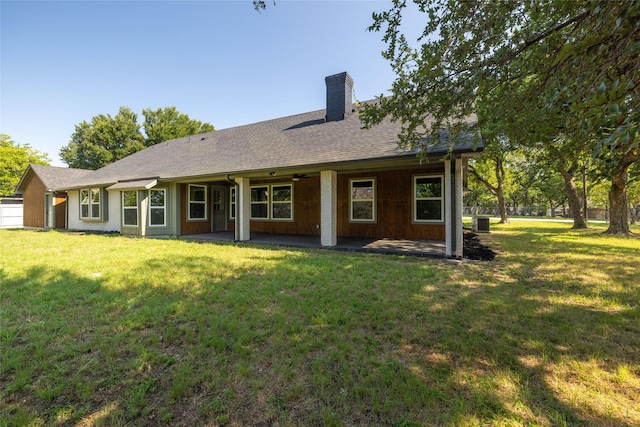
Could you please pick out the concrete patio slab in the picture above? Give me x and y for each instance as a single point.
(424, 248)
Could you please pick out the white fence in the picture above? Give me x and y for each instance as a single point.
(11, 216)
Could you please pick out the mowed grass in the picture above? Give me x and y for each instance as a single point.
(112, 331)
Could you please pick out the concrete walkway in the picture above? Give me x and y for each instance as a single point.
(425, 248)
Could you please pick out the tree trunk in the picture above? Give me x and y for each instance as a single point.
(497, 190)
(504, 217)
(500, 178)
(619, 209)
(635, 214)
(574, 198)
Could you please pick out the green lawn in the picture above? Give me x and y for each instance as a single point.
(112, 331)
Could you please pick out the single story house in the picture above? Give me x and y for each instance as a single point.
(318, 173)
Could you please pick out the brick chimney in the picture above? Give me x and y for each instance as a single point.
(339, 96)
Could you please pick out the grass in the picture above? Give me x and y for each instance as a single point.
(112, 331)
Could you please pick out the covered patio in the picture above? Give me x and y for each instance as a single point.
(422, 248)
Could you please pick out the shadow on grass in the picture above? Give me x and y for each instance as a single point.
(298, 338)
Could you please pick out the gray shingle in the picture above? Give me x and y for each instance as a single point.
(293, 141)
(54, 177)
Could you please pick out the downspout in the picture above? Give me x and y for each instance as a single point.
(236, 228)
(452, 220)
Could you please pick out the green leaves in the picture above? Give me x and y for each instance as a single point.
(14, 159)
(536, 71)
(168, 123)
(106, 139)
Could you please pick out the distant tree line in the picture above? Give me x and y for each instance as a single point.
(532, 187)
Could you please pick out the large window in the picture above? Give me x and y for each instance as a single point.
(157, 208)
(274, 202)
(197, 202)
(428, 199)
(362, 200)
(90, 204)
(130, 208)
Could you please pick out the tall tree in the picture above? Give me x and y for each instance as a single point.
(14, 159)
(586, 51)
(168, 123)
(490, 169)
(106, 139)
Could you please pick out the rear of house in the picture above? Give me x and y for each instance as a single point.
(312, 174)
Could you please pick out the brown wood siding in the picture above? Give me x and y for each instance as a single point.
(393, 207)
(193, 227)
(306, 209)
(60, 202)
(33, 215)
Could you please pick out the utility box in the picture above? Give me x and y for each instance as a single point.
(480, 224)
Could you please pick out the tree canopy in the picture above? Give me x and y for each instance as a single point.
(168, 123)
(106, 139)
(551, 69)
(14, 159)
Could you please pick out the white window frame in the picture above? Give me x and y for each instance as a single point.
(129, 208)
(85, 194)
(190, 202)
(416, 199)
(269, 202)
(261, 202)
(373, 200)
(281, 202)
(163, 207)
(90, 204)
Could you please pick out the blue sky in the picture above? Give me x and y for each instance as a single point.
(218, 62)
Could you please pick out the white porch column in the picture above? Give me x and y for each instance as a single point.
(458, 207)
(144, 211)
(448, 241)
(328, 208)
(243, 209)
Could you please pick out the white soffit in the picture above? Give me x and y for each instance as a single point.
(141, 184)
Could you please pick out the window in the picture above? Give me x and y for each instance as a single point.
(130, 208)
(260, 202)
(157, 208)
(233, 203)
(269, 202)
(363, 200)
(428, 199)
(84, 203)
(281, 202)
(197, 202)
(90, 203)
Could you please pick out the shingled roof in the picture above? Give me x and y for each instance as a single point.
(297, 141)
(53, 177)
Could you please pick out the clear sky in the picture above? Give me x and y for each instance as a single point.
(219, 62)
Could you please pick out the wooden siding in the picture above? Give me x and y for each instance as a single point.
(60, 208)
(34, 203)
(306, 209)
(394, 206)
(193, 227)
